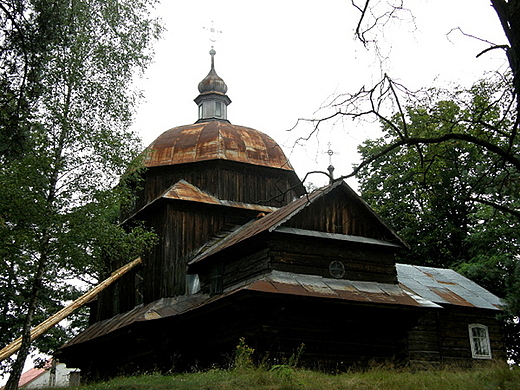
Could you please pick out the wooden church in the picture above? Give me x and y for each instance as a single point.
(244, 251)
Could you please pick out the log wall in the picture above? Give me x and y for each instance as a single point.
(336, 215)
(227, 180)
(441, 337)
(313, 256)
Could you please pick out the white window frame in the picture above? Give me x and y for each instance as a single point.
(479, 343)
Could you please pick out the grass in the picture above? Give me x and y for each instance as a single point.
(289, 378)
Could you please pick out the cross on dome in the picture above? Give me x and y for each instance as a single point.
(212, 32)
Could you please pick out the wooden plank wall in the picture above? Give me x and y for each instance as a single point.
(226, 180)
(185, 229)
(337, 214)
(182, 228)
(335, 335)
(313, 256)
(441, 337)
(237, 268)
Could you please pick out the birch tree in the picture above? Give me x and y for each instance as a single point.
(66, 69)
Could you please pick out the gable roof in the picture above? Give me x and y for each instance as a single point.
(33, 373)
(276, 219)
(446, 286)
(30, 375)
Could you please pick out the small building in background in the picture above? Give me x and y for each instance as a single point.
(52, 374)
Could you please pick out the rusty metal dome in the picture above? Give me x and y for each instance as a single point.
(215, 140)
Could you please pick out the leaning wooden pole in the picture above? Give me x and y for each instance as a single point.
(43, 327)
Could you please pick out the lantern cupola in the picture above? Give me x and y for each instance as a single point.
(212, 101)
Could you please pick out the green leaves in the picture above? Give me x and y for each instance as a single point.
(66, 68)
(448, 193)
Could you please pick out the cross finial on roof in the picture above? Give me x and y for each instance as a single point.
(212, 32)
(330, 168)
(330, 152)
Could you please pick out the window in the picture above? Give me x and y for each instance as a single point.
(479, 340)
(218, 109)
(216, 280)
(192, 283)
(337, 269)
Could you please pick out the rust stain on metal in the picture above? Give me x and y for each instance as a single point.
(277, 283)
(291, 289)
(263, 285)
(318, 287)
(437, 279)
(216, 140)
(451, 297)
(182, 190)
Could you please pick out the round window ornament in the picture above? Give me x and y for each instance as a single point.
(337, 269)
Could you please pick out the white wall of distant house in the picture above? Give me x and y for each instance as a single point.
(62, 378)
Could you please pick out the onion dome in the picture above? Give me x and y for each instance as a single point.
(212, 100)
(215, 140)
(212, 82)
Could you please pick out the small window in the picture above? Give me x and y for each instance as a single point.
(479, 340)
(200, 111)
(192, 283)
(216, 280)
(337, 269)
(218, 109)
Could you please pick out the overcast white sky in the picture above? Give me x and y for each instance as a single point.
(282, 59)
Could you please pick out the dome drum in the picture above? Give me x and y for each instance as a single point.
(212, 106)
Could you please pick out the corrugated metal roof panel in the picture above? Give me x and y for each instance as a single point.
(446, 286)
(182, 190)
(276, 282)
(319, 287)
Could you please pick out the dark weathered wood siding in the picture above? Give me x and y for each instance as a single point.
(441, 336)
(340, 213)
(227, 180)
(336, 335)
(182, 228)
(313, 256)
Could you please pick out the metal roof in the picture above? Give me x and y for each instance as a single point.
(335, 236)
(268, 222)
(276, 282)
(425, 287)
(164, 307)
(288, 283)
(445, 286)
(182, 190)
(215, 140)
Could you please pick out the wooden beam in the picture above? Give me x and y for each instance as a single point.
(43, 327)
